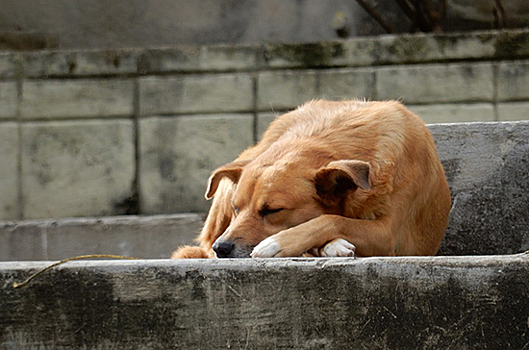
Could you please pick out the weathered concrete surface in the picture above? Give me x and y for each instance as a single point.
(436, 83)
(487, 166)
(177, 156)
(56, 99)
(513, 111)
(195, 94)
(73, 167)
(513, 80)
(456, 112)
(8, 96)
(374, 303)
(8, 171)
(141, 237)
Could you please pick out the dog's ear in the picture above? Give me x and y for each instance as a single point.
(337, 178)
(232, 171)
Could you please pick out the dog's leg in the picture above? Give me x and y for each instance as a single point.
(218, 220)
(370, 237)
(190, 252)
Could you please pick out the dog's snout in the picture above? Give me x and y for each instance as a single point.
(223, 248)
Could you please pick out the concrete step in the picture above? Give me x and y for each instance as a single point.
(475, 302)
(139, 236)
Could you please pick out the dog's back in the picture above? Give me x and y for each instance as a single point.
(408, 178)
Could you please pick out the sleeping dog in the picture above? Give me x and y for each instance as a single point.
(348, 178)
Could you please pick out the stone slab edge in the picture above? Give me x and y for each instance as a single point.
(137, 236)
(355, 52)
(125, 220)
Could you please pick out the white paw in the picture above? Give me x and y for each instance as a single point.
(338, 248)
(266, 249)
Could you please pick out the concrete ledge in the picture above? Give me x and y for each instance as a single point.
(355, 52)
(373, 303)
(144, 237)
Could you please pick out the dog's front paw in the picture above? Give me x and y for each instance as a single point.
(190, 252)
(338, 248)
(268, 248)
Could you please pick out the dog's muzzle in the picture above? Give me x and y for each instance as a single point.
(228, 249)
(223, 249)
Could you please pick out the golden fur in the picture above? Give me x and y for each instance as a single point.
(364, 172)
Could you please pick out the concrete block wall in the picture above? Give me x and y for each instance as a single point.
(96, 133)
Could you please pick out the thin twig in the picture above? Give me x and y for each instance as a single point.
(30, 278)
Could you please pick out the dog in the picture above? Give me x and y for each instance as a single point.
(330, 179)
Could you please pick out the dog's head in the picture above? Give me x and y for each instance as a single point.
(272, 196)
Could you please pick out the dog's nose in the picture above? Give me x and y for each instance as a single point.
(223, 248)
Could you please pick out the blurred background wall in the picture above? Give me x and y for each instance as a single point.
(26, 24)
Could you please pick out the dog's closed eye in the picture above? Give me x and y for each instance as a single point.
(269, 211)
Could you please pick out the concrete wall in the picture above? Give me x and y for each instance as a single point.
(96, 133)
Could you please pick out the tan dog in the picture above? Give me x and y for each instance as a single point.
(330, 179)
